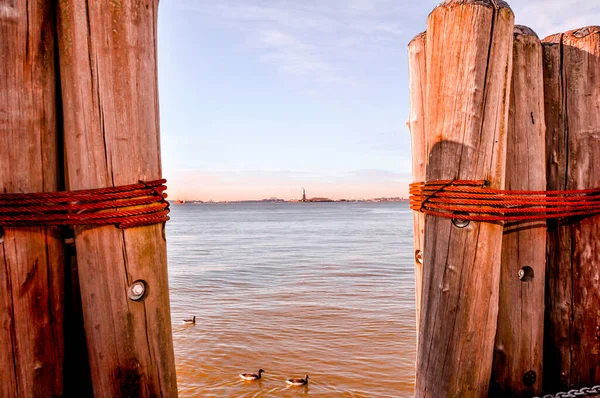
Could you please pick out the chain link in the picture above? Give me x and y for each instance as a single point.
(582, 392)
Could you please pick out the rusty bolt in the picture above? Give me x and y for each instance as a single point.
(529, 378)
(419, 256)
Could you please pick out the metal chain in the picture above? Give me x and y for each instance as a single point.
(582, 392)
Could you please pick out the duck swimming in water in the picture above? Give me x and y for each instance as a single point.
(190, 321)
(298, 382)
(251, 376)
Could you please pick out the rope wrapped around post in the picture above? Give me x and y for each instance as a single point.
(125, 206)
(474, 201)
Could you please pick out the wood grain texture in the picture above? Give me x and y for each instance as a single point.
(469, 68)
(558, 270)
(416, 123)
(520, 334)
(31, 259)
(109, 87)
(572, 83)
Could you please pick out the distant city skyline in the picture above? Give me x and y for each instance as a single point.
(262, 97)
(284, 185)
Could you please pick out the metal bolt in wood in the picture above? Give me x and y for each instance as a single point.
(419, 256)
(137, 290)
(529, 378)
(460, 223)
(525, 274)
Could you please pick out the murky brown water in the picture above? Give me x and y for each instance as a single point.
(320, 289)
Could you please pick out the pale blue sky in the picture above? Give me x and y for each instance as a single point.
(261, 97)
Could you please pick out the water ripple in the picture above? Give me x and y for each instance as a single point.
(319, 289)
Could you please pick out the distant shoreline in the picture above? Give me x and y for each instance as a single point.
(313, 200)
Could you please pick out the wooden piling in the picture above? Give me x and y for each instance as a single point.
(572, 102)
(109, 87)
(31, 259)
(517, 366)
(469, 67)
(416, 124)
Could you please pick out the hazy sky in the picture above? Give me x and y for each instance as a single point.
(260, 98)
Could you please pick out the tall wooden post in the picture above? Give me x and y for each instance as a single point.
(109, 86)
(572, 86)
(416, 123)
(31, 259)
(517, 369)
(469, 67)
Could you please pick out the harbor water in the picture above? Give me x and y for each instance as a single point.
(324, 289)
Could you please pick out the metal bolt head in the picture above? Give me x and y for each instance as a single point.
(460, 223)
(529, 378)
(525, 274)
(137, 290)
(419, 256)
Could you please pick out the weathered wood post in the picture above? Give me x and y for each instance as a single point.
(31, 259)
(517, 369)
(416, 124)
(109, 87)
(469, 67)
(572, 101)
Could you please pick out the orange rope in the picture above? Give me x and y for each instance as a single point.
(124, 206)
(473, 200)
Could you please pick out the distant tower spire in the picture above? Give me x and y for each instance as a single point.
(303, 195)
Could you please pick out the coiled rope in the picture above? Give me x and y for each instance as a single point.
(125, 206)
(475, 201)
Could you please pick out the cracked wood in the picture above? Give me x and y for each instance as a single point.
(520, 333)
(109, 86)
(31, 259)
(572, 86)
(469, 67)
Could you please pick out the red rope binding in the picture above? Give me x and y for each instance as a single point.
(125, 206)
(472, 200)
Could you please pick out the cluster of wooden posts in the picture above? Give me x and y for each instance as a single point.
(513, 309)
(79, 110)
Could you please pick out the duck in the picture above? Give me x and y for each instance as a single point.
(190, 321)
(252, 376)
(298, 382)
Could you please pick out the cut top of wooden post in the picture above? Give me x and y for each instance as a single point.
(468, 79)
(486, 3)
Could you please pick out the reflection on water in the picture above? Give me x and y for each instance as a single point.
(300, 288)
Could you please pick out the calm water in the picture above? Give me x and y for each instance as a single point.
(299, 288)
